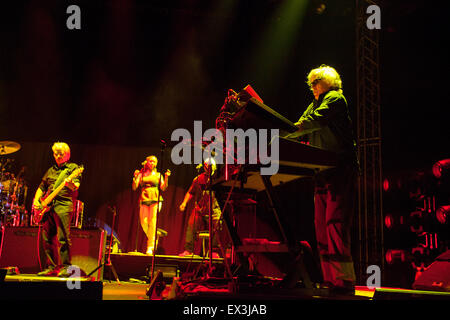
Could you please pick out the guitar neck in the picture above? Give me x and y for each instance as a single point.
(53, 194)
(58, 189)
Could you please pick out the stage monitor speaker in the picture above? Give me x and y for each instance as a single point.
(88, 250)
(19, 248)
(437, 276)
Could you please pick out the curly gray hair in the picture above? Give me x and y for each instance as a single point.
(328, 75)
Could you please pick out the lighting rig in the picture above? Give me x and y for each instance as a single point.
(417, 217)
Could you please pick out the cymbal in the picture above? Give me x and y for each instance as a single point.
(7, 147)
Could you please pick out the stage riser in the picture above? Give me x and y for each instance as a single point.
(135, 266)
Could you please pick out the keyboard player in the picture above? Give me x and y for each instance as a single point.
(326, 124)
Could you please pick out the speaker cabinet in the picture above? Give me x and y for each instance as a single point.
(88, 250)
(20, 248)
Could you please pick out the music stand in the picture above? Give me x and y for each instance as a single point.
(210, 216)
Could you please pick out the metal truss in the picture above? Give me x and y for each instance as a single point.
(369, 220)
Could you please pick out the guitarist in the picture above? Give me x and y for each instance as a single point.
(56, 222)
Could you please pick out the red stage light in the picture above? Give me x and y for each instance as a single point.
(441, 167)
(416, 222)
(390, 221)
(385, 184)
(393, 256)
(442, 214)
(430, 241)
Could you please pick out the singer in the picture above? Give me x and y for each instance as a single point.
(149, 181)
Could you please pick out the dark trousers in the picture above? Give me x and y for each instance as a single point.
(56, 238)
(200, 222)
(335, 198)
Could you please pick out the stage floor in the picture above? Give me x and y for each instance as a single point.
(181, 281)
(136, 291)
(112, 290)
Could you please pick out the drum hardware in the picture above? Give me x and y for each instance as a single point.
(8, 147)
(13, 189)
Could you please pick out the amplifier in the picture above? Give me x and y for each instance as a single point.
(19, 248)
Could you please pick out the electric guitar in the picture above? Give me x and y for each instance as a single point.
(38, 213)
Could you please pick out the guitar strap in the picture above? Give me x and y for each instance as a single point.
(61, 177)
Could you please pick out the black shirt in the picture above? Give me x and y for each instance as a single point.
(326, 123)
(64, 201)
(199, 191)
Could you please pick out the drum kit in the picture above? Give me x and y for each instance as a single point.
(13, 189)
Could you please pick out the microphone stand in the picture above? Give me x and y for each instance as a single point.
(114, 210)
(210, 218)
